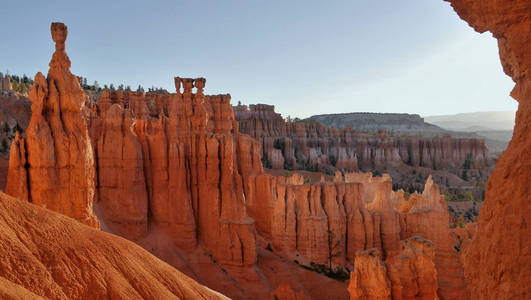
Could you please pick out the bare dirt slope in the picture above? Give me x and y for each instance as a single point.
(46, 254)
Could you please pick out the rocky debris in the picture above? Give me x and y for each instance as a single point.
(56, 153)
(409, 275)
(309, 145)
(55, 257)
(498, 260)
(284, 292)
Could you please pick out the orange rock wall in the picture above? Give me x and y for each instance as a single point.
(498, 260)
(356, 212)
(313, 146)
(184, 158)
(407, 276)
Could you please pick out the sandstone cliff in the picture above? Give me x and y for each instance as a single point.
(313, 146)
(498, 260)
(327, 223)
(53, 166)
(183, 160)
(409, 275)
(172, 172)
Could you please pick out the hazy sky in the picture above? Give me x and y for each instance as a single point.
(305, 57)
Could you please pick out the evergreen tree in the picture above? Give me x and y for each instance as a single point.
(4, 145)
(7, 129)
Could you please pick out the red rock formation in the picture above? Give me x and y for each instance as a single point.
(56, 152)
(329, 222)
(52, 256)
(498, 261)
(369, 279)
(120, 174)
(463, 236)
(313, 146)
(187, 150)
(284, 292)
(409, 275)
(175, 167)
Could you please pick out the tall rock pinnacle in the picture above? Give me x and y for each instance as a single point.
(56, 154)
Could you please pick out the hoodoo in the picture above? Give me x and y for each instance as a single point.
(173, 173)
(53, 166)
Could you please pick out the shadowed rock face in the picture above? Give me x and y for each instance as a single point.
(498, 260)
(53, 166)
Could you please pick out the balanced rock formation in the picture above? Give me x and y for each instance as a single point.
(409, 275)
(48, 255)
(53, 166)
(498, 260)
(309, 145)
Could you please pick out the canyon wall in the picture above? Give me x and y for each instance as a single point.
(175, 162)
(329, 222)
(172, 172)
(308, 145)
(409, 275)
(498, 260)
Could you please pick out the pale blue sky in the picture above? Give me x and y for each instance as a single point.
(305, 57)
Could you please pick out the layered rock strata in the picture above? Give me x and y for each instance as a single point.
(309, 145)
(53, 166)
(174, 165)
(183, 161)
(327, 223)
(498, 260)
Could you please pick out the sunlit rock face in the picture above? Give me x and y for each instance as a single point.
(409, 275)
(183, 161)
(331, 221)
(54, 165)
(498, 260)
(174, 166)
(309, 145)
(46, 255)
